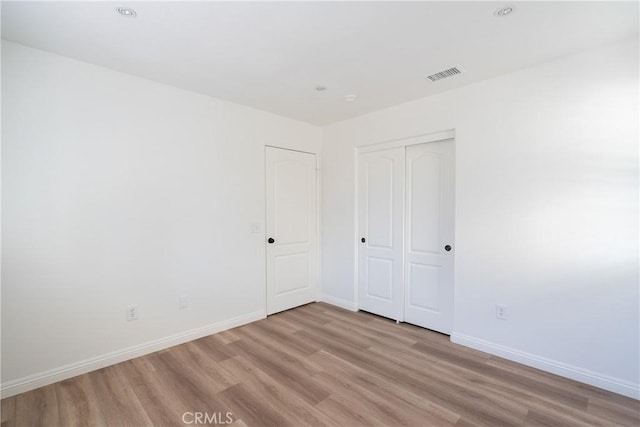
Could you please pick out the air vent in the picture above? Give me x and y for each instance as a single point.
(444, 74)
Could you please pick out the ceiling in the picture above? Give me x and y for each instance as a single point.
(272, 55)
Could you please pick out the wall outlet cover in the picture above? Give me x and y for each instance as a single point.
(183, 301)
(501, 312)
(132, 313)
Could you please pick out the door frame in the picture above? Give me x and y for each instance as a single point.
(384, 145)
(318, 248)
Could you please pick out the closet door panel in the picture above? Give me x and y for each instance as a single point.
(381, 211)
(429, 235)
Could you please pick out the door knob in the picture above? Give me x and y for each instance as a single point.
(363, 240)
(271, 240)
(447, 248)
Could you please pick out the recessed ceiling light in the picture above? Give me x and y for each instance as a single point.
(503, 11)
(126, 11)
(350, 98)
(320, 88)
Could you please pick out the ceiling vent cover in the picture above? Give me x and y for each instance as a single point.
(444, 74)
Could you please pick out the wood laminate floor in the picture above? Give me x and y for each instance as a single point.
(318, 365)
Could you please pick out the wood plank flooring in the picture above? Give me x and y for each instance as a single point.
(319, 365)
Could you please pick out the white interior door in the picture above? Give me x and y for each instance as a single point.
(381, 204)
(290, 229)
(429, 235)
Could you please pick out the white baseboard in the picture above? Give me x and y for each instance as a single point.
(20, 385)
(339, 302)
(615, 385)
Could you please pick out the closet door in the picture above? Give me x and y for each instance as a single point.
(428, 298)
(381, 210)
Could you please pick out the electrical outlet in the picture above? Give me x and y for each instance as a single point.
(183, 301)
(132, 313)
(501, 312)
(255, 228)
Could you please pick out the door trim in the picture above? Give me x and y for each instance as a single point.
(405, 142)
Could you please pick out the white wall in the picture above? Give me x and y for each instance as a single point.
(116, 191)
(546, 211)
